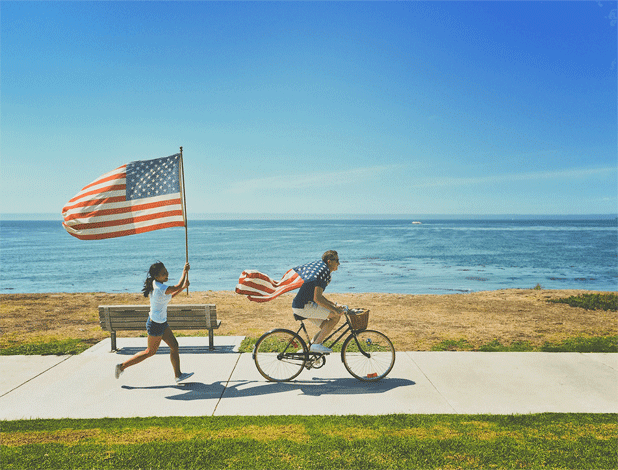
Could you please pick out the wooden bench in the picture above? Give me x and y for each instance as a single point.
(179, 317)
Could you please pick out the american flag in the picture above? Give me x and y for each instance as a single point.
(259, 287)
(138, 197)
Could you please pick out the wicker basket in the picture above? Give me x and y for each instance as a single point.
(359, 317)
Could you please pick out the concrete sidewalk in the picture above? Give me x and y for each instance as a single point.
(228, 383)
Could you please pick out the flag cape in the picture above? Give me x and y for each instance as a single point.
(259, 287)
(138, 197)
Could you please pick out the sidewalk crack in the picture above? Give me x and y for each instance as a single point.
(38, 375)
(432, 384)
(226, 384)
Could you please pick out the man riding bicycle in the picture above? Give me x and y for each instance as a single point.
(310, 302)
(281, 354)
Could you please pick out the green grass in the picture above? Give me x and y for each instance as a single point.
(540, 441)
(591, 301)
(55, 347)
(601, 344)
(246, 346)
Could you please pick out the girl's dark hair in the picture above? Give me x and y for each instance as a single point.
(152, 272)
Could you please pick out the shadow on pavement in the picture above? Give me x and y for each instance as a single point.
(130, 351)
(252, 388)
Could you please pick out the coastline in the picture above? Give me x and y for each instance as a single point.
(413, 322)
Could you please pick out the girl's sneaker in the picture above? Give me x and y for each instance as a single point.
(183, 376)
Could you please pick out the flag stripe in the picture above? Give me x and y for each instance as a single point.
(121, 233)
(128, 225)
(118, 173)
(265, 283)
(259, 287)
(100, 227)
(125, 221)
(97, 202)
(101, 209)
(121, 209)
(118, 188)
(118, 176)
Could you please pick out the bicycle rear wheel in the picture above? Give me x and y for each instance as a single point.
(375, 358)
(280, 355)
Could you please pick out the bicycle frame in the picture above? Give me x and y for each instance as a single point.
(347, 327)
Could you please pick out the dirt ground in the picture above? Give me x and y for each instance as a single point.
(413, 322)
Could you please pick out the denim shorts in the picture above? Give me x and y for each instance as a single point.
(154, 328)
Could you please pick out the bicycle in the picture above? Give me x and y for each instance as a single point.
(368, 355)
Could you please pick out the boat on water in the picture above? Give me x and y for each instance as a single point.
(416, 222)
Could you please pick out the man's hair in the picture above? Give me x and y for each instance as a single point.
(329, 255)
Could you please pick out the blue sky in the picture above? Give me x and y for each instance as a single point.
(401, 108)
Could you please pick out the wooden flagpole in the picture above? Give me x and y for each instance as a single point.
(184, 210)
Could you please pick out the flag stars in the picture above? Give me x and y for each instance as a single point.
(153, 177)
(316, 270)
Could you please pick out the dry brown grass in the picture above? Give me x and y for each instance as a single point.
(413, 322)
(478, 430)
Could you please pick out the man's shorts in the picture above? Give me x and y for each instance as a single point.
(314, 312)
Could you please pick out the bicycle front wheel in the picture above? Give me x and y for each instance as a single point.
(368, 357)
(280, 355)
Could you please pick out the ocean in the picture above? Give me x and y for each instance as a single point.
(391, 256)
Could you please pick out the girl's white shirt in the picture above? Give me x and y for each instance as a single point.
(158, 302)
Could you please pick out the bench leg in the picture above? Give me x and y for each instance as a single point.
(113, 338)
(211, 339)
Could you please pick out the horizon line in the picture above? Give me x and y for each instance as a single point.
(16, 216)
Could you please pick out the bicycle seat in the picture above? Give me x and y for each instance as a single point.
(299, 318)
